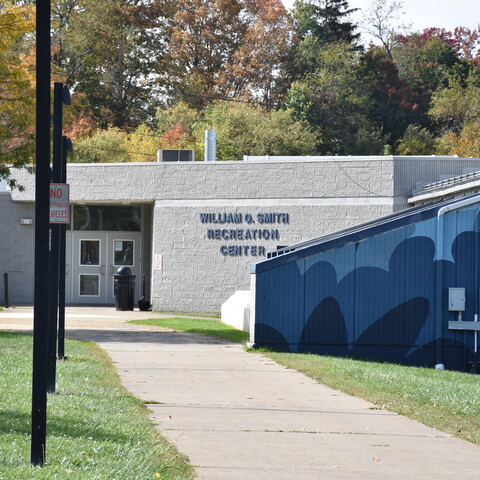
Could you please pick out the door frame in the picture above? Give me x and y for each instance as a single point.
(106, 267)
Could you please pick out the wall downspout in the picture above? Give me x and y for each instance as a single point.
(477, 286)
(440, 287)
(253, 305)
(439, 292)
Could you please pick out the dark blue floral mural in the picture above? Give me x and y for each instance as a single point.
(380, 298)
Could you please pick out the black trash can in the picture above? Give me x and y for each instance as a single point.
(124, 289)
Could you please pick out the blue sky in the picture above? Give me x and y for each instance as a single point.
(446, 14)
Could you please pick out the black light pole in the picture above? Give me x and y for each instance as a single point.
(42, 200)
(66, 147)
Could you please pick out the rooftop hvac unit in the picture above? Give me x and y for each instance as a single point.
(165, 155)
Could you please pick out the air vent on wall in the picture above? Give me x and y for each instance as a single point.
(165, 155)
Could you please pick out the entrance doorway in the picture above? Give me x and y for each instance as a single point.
(94, 256)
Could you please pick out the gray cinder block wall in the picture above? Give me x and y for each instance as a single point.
(16, 250)
(211, 220)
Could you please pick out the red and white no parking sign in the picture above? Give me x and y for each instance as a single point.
(59, 203)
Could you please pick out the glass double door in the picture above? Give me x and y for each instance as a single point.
(93, 258)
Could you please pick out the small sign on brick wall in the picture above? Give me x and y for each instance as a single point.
(158, 262)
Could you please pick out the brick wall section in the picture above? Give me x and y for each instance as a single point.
(16, 251)
(196, 274)
(226, 180)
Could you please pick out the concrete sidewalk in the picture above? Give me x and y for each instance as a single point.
(240, 416)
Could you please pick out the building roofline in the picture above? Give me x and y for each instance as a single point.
(354, 234)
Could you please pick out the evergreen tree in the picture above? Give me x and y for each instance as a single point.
(319, 23)
(326, 20)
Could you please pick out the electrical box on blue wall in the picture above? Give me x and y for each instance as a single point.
(456, 299)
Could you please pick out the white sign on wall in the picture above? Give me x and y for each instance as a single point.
(59, 203)
(158, 262)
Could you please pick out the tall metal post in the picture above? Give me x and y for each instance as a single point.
(66, 146)
(42, 201)
(55, 240)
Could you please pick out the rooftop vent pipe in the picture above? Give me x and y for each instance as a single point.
(210, 145)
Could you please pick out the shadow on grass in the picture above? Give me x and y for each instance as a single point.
(12, 421)
(152, 337)
(168, 338)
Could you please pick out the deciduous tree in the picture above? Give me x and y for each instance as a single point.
(393, 103)
(465, 143)
(100, 48)
(426, 62)
(142, 144)
(203, 35)
(260, 67)
(382, 21)
(251, 130)
(104, 146)
(416, 141)
(457, 104)
(334, 98)
(17, 96)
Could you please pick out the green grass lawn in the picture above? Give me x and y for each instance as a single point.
(95, 428)
(446, 400)
(214, 328)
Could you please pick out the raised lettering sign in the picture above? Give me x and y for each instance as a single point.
(227, 227)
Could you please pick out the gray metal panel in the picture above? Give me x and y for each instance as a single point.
(409, 171)
(464, 326)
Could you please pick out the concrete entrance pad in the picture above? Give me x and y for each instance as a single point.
(240, 416)
(103, 318)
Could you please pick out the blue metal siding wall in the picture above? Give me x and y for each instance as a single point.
(461, 271)
(377, 290)
(420, 278)
(281, 311)
(329, 300)
(377, 297)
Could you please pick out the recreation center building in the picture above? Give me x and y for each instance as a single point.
(198, 232)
